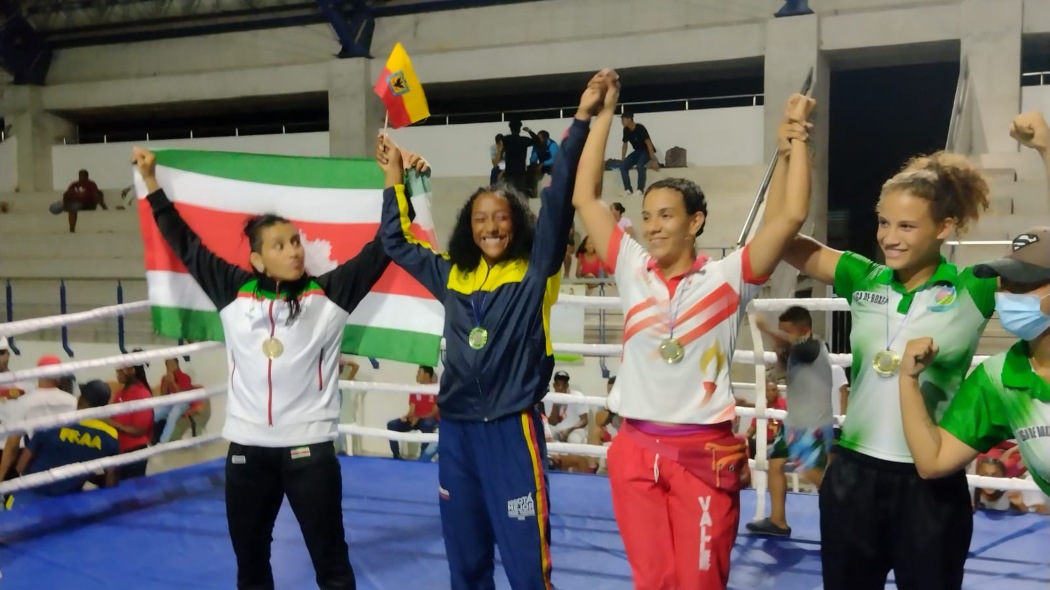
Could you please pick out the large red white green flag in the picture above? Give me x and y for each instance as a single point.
(336, 205)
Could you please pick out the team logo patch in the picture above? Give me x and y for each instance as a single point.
(944, 297)
(301, 453)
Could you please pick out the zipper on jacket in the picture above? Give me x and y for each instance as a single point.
(269, 361)
(320, 377)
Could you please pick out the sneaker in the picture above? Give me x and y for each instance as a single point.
(766, 528)
(627, 193)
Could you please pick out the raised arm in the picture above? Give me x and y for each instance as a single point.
(1032, 131)
(219, 279)
(347, 284)
(415, 256)
(813, 259)
(597, 218)
(936, 452)
(791, 206)
(555, 218)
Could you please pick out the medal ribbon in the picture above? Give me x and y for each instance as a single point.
(479, 309)
(672, 312)
(889, 341)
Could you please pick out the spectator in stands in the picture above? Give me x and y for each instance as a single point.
(171, 422)
(541, 160)
(622, 221)
(86, 440)
(568, 421)
(806, 439)
(47, 399)
(1013, 500)
(515, 152)
(643, 154)
(11, 390)
(589, 265)
(606, 426)
(774, 401)
(498, 160)
(135, 428)
(82, 195)
(422, 412)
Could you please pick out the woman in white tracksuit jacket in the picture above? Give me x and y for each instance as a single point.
(283, 329)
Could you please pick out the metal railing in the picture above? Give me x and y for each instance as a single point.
(761, 195)
(560, 112)
(1040, 78)
(958, 105)
(954, 245)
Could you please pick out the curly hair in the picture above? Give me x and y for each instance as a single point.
(953, 186)
(465, 254)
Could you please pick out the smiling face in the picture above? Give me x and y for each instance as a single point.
(908, 235)
(280, 253)
(669, 230)
(492, 225)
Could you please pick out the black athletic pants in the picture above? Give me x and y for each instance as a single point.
(257, 480)
(877, 516)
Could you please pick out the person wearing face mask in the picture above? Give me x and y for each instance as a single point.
(497, 283)
(1005, 397)
(283, 330)
(682, 314)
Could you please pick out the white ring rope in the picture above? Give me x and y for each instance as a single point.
(55, 321)
(125, 360)
(55, 420)
(90, 467)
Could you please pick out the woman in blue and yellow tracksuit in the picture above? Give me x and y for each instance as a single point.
(497, 283)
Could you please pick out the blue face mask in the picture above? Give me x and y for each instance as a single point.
(1021, 315)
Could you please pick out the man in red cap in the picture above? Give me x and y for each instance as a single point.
(53, 395)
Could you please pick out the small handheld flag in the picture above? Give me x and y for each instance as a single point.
(401, 91)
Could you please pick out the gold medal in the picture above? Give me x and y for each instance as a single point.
(886, 363)
(672, 350)
(272, 348)
(478, 338)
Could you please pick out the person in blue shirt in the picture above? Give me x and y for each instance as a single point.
(497, 283)
(86, 440)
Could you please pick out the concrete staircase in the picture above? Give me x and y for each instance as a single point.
(37, 253)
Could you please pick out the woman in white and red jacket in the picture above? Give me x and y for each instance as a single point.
(283, 329)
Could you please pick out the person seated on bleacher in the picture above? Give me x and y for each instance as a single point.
(422, 412)
(11, 390)
(82, 195)
(568, 421)
(86, 440)
(52, 395)
(172, 422)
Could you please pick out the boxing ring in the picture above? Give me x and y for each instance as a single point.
(168, 531)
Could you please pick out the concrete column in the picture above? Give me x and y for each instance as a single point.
(991, 42)
(355, 113)
(792, 48)
(36, 131)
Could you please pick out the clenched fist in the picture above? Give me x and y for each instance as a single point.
(1031, 130)
(918, 356)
